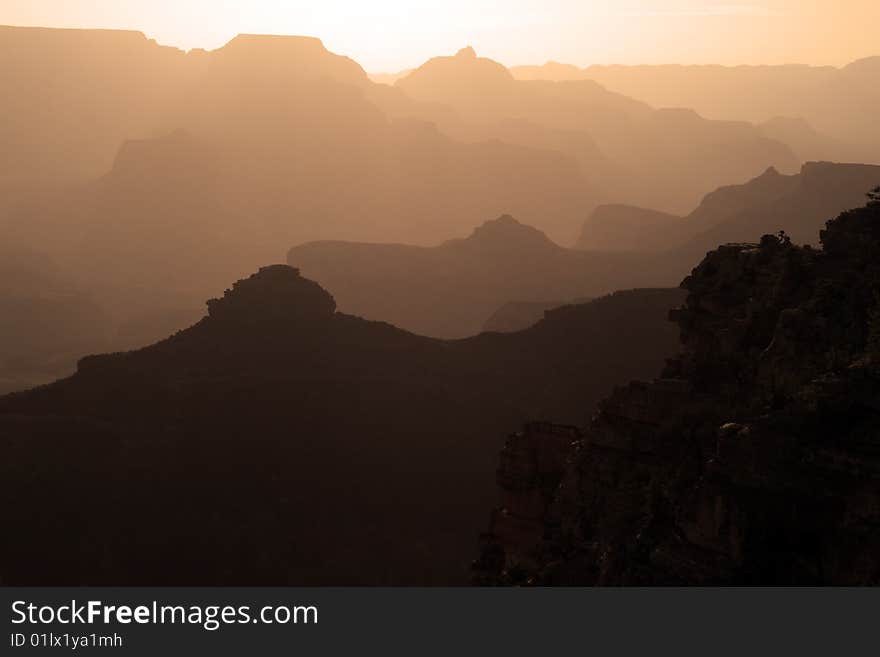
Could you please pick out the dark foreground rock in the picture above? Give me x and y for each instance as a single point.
(754, 459)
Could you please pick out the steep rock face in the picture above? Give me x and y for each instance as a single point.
(532, 463)
(755, 458)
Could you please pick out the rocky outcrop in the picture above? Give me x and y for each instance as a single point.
(275, 293)
(755, 458)
(531, 467)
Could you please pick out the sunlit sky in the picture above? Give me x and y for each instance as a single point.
(389, 35)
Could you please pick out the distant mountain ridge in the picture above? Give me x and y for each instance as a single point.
(449, 290)
(665, 158)
(289, 123)
(152, 176)
(304, 445)
(838, 102)
(520, 315)
(771, 202)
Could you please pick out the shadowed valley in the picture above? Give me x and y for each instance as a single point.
(304, 445)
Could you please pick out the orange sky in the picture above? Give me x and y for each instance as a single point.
(388, 35)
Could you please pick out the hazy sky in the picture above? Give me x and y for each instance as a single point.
(387, 35)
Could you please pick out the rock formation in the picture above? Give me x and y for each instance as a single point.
(753, 459)
(532, 463)
(449, 290)
(276, 293)
(304, 445)
(799, 204)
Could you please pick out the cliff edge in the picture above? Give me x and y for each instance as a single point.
(753, 459)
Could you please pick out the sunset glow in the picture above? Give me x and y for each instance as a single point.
(443, 293)
(390, 35)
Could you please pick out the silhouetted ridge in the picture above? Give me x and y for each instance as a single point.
(448, 291)
(627, 151)
(276, 293)
(799, 204)
(865, 66)
(753, 459)
(75, 37)
(302, 446)
(839, 103)
(507, 232)
(830, 176)
(551, 70)
(460, 70)
(730, 198)
(628, 228)
(301, 56)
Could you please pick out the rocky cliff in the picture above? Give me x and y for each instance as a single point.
(753, 459)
